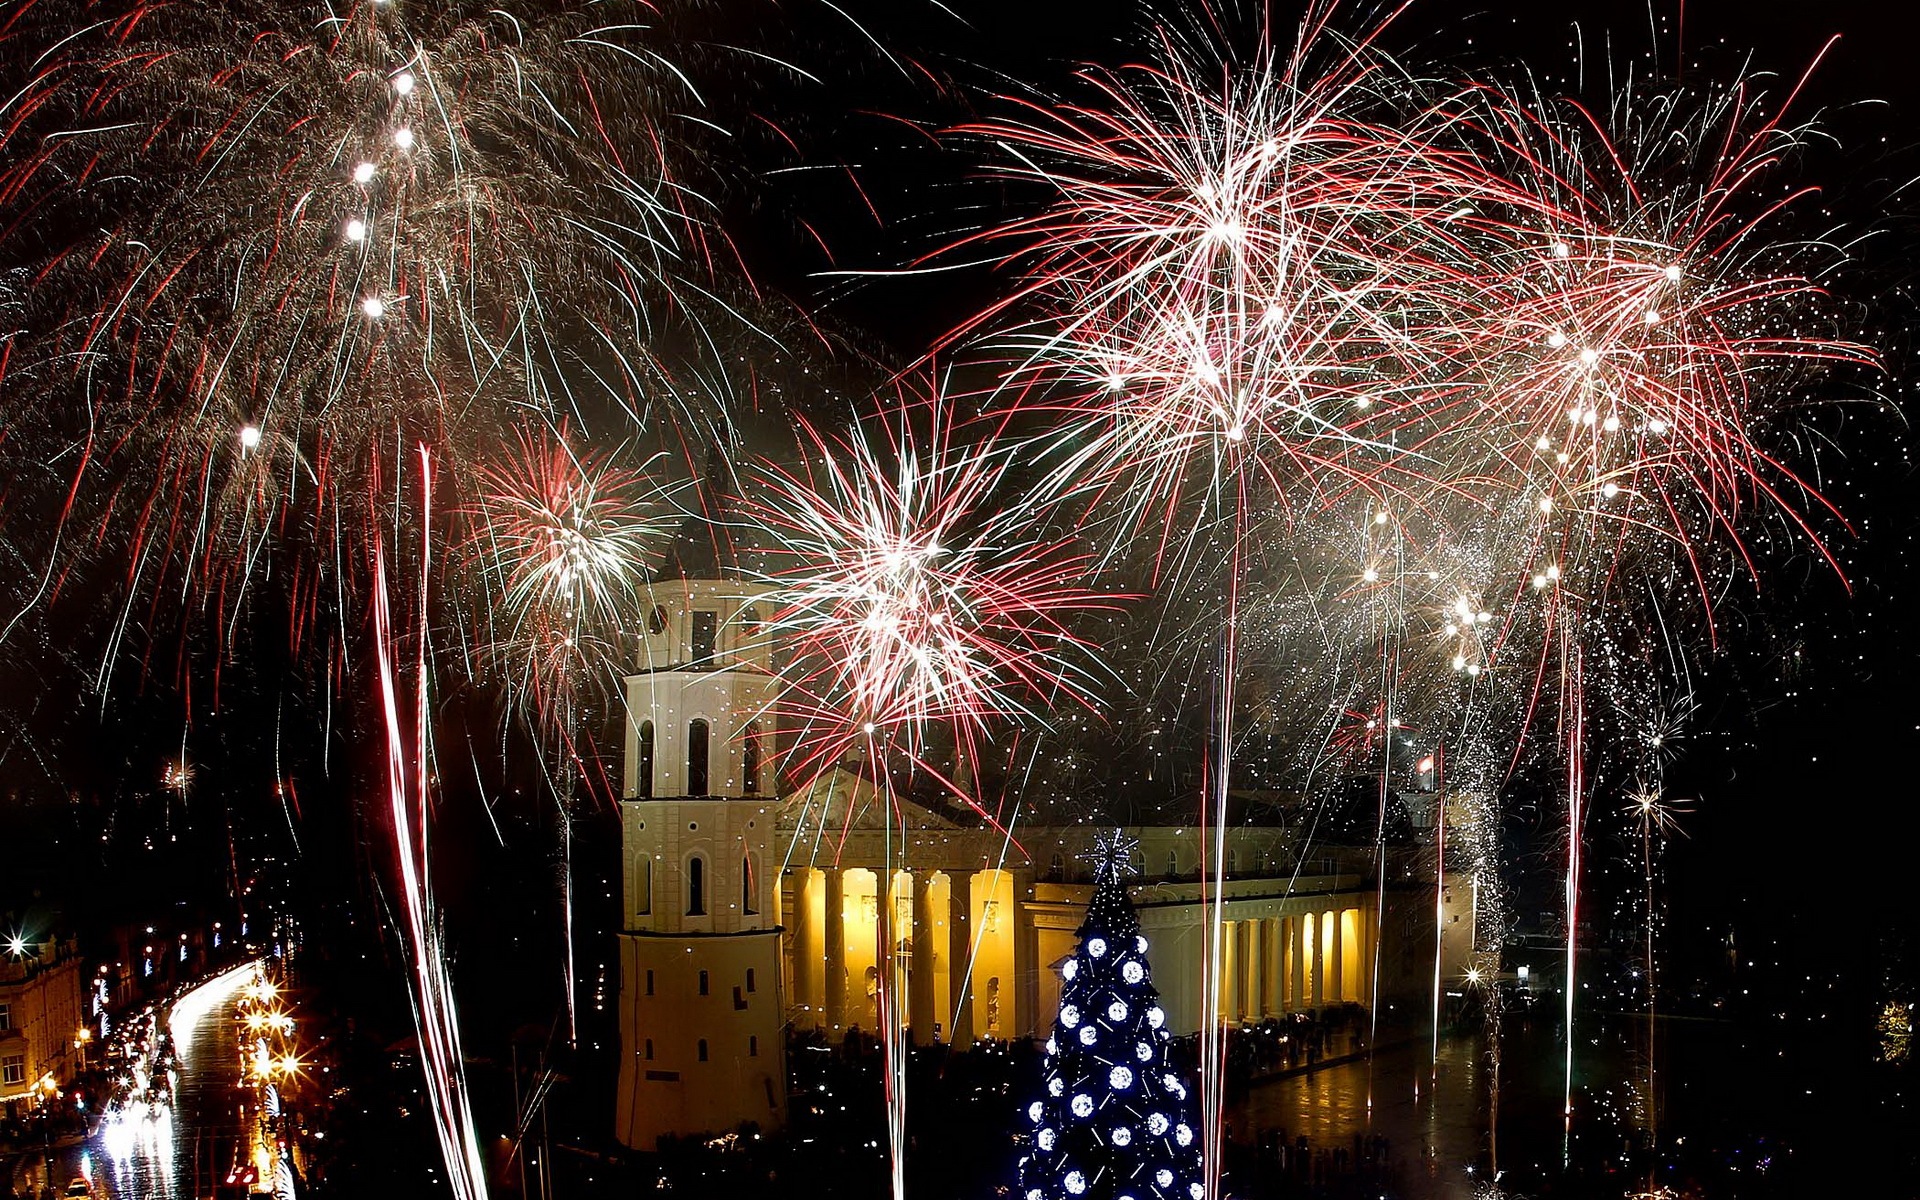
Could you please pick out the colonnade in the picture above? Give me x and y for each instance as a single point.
(1271, 966)
(947, 940)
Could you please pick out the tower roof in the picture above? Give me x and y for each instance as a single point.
(703, 545)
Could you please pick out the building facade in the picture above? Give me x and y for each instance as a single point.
(747, 915)
(41, 1021)
(975, 925)
(701, 1019)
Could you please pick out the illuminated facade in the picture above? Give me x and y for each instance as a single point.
(747, 915)
(701, 1019)
(975, 929)
(40, 1016)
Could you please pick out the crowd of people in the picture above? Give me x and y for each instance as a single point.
(1295, 1042)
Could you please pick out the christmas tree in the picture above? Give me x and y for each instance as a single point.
(1113, 1121)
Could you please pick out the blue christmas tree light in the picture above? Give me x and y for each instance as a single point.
(1114, 1120)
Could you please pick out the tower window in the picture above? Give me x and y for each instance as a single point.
(703, 1049)
(643, 886)
(657, 620)
(703, 983)
(750, 759)
(704, 626)
(643, 786)
(746, 886)
(749, 624)
(649, 1049)
(649, 983)
(697, 889)
(749, 978)
(697, 757)
(753, 1047)
(1173, 864)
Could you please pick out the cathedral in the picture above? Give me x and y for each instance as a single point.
(747, 914)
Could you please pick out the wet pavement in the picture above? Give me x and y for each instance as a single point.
(162, 1155)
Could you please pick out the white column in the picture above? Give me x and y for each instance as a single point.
(960, 956)
(835, 999)
(920, 993)
(1316, 928)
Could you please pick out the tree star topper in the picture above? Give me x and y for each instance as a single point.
(1111, 856)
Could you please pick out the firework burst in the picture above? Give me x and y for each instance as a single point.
(919, 595)
(266, 247)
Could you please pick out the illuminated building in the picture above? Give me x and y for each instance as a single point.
(702, 1037)
(746, 915)
(978, 930)
(40, 1012)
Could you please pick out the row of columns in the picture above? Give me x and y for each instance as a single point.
(824, 981)
(1277, 965)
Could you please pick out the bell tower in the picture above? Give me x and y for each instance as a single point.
(701, 1017)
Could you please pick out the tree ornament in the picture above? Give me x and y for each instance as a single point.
(1110, 1054)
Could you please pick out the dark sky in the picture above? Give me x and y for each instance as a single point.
(1801, 758)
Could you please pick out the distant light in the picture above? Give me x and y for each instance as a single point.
(364, 172)
(1673, 273)
(16, 945)
(1589, 356)
(1426, 764)
(356, 230)
(403, 138)
(249, 437)
(403, 83)
(374, 307)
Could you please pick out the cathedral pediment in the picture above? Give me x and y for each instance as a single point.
(846, 799)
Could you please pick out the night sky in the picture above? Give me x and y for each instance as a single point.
(1802, 759)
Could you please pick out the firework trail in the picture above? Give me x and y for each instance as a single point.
(920, 592)
(408, 771)
(1539, 344)
(1234, 281)
(257, 249)
(563, 539)
(915, 599)
(265, 242)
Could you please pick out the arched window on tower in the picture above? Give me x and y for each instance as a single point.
(643, 786)
(697, 757)
(750, 760)
(746, 886)
(696, 886)
(703, 636)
